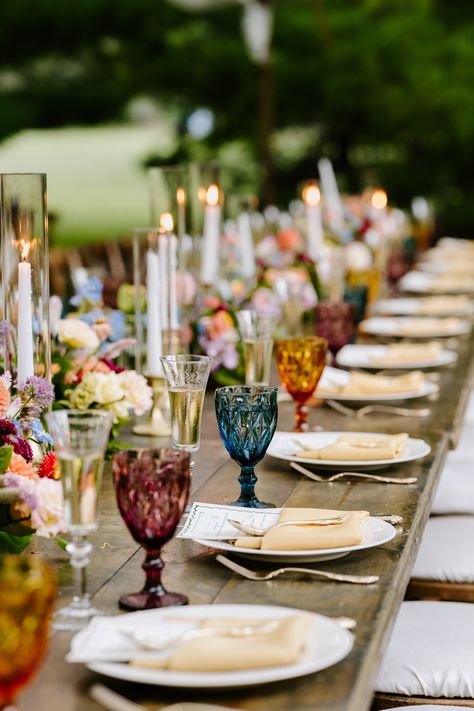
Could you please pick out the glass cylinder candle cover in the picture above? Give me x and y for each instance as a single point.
(24, 305)
(206, 200)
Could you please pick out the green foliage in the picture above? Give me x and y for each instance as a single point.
(5, 456)
(384, 87)
(13, 544)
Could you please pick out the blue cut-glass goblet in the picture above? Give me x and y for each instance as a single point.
(247, 418)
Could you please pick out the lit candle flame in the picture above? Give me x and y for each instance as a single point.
(25, 249)
(166, 221)
(181, 196)
(212, 195)
(379, 199)
(311, 195)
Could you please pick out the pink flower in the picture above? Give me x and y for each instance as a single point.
(44, 498)
(211, 302)
(289, 239)
(220, 323)
(4, 398)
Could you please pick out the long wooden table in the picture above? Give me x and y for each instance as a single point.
(190, 568)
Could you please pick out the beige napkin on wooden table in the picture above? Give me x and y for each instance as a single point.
(278, 647)
(409, 353)
(300, 538)
(358, 448)
(366, 384)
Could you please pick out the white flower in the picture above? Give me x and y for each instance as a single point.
(77, 334)
(106, 387)
(47, 516)
(136, 391)
(120, 410)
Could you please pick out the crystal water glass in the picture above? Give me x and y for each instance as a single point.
(300, 363)
(186, 376)
(257, 337)
(247, 418)
(80, 439)
(152, 488)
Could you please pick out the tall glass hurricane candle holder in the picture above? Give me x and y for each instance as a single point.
(300, 363)
(24, 268)
(80, 439)
(187, 377)
(206, 202)
(152, 488)
(257, 336)
(156, 318)
(247, 419)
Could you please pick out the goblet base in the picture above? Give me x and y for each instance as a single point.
(150, 601)
(253, 504)
(74, 617)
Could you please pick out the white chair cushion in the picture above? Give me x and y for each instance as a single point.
(430, 652)
(455, 493)
(446, 551)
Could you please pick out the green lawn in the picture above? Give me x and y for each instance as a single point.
(97, 187)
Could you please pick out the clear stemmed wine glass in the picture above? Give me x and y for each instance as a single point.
(80, 439)
(187, 377)
(257, 336)
(152, 488)
(247, 418)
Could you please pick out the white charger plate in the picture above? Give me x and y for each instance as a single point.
(422, 283)
(413, 307)
(327, 644)
(375, 532)
(341, 377)
(282, 447)
(392, 326)
(361, 356)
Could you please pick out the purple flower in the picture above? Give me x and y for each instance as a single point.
(36, 395)
(9, 436)
(22, 447)
(5, 329)
(7, 428)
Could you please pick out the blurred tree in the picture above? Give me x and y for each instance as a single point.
(384, 87)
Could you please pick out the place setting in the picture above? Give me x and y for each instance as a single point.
(396, 356)
(415, 327)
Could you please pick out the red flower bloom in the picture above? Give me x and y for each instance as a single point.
(49, 467)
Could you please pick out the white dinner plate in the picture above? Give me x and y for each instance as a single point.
(369, 357)
(282, 447)
(393, 327)
(327, 644)
(375, 532)
(422, 283)
(414, 307)
(341, 377)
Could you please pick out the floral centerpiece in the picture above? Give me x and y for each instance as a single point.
(86, 370)
(31, 499)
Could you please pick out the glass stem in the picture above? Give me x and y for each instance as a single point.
(153, 567)
(301, 416)
(79, 550)
(247, 480)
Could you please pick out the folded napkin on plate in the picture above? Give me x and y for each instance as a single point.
(442, 304)
(366, 384)
(453, 283)
(278, 647)
(300, 538)
(419, 326)
(410, 353)
(359, 448)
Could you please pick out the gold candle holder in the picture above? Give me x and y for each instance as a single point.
(158, 425)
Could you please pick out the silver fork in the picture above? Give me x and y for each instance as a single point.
(356, 475)
(368, 409)
(337, 577)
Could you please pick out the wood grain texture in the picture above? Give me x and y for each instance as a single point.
(191, 568)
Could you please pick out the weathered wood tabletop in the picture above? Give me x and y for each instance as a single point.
(190, 568)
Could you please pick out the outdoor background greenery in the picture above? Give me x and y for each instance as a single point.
(383, 87)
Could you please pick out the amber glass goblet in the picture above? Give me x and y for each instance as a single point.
(152, 488)
(27, 593)
(300, 363)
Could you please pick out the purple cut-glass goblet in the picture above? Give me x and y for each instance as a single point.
(152, 487)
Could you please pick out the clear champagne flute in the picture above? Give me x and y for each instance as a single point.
(257, 336)
(80, 439)
(187, 377)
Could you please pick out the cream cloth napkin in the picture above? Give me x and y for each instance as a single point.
(359, 448)
(410, 353)
(300, 538)
(366, 384)
(417, 326)
(279, 647)
(442, 304)
(453, 283)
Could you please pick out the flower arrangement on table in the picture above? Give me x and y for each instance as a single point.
(87, 346)
(31, 499)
